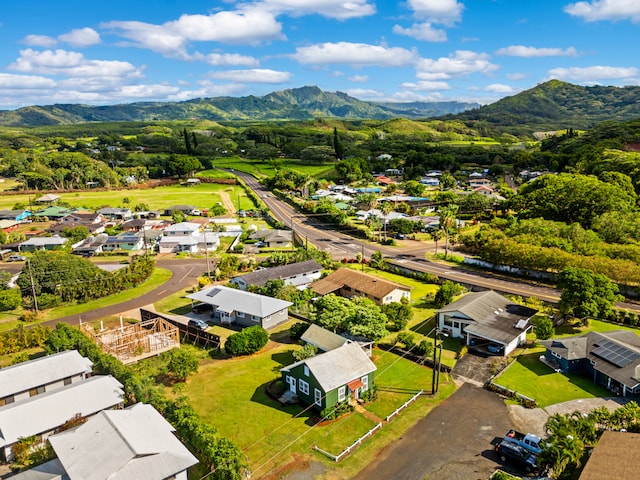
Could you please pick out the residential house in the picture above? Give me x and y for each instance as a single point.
(93, 221)
(192, 182)
(116, 214)
(384, 180)
(27, 379)
(611, 359)
(133, 443)
(48, 198)
(297, 274)
(365, 214)
(430, 181)
(484, 190)
(127, 241)
(339, 375)
(185, 209)
(323, 339)
(52, 212)
(8, 226)
(15, 215)
(616, 455)
(479, 182)
(487, 320)
(231, 305)
(180, 237)
(352, 283)
(43, 243)
(274, 238)
(134, 225)
(42, 414)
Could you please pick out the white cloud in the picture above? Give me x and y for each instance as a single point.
(355, 54)
(358, 78)
(499, 88)
(71, 64)
(458, 64)
(82, 37)
(24, 82)
(516, 76)
(422, 31)
(439, 11)
(612, 10)
(339, 9)
(39, 41)
(365, 94)
(425, 86)
(256, 75)
(528, 52)
(226, 59)
(593, 74)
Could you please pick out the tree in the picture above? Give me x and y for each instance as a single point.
(337, 145)
(543, 328)
(75, 234)
(437, 235)
(413, 188)
(317, 154)
(386, 208)
(447, 181)
(183, 165)
(586, 294)
(446, 292)
(367, 320)
(447, 223)
(307, 351)
(182, 362)
(333, 311)
(398, 314)
(10, 299)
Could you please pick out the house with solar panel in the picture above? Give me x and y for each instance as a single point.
(611, 359)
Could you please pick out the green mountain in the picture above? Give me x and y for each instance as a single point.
(557, 105)
(294, 104)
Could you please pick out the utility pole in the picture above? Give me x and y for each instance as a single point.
(206, 253)
(33, 286)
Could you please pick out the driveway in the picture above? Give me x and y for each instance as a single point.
(453, 441)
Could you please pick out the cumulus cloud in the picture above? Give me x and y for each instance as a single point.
(39, 41)
(359, 78)
(458, 64)
(226, 59)
(422, 31)
(339, 9)
(425, 86)
(355, 54)
(528, 52)
(516, 76)
(365, 94)
(24, 82)
(71, 64)
(499, 88)
(438, 11)
(593, 74)
(255, 75)
(612, 10)
(81, 37)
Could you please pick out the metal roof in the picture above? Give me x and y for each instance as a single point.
(260, 277)
(231, 299)
(338, 367)
(322, 338)
(359, 282)
(134, 443)
(47, 411)
(42, 371)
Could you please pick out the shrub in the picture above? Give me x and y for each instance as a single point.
(407, 339)
(369, 395)
(297, 330)
(424, 348)
(339, 409)
(236, 344)
(10, 299)
(246, 342)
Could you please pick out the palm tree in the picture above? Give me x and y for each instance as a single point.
(436, 235)
(447, 222)
(386, 208)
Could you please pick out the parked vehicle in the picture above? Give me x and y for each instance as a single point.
(509, 452)
(529, 441)
(199, 324)
(16, 258)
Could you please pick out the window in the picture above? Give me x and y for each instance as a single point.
(267, 318)
(36, 391)
(67, 381)
(317, 396)
(306, 370)
(365, 383)
(303, 386)
(342, 393)
(240, 314)
(7, 400)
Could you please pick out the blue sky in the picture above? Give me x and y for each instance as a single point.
(116, 51)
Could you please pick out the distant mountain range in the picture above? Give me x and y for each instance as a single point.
(294, 104)
(557, 105)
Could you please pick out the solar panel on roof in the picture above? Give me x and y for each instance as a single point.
(617, 354)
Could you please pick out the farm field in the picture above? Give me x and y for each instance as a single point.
(202, 196)
(268, 168)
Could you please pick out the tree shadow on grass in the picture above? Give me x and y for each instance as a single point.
(531, 361)
(268, 393)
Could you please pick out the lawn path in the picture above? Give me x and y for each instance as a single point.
(227, 204)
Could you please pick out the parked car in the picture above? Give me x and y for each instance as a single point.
(518, 456)
(16, 258)
(528, 441)
(199, 324)
(201, 307)
(494, 348)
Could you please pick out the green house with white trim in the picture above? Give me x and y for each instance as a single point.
(332, 377)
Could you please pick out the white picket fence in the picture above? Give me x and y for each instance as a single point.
(336, 458)
(403, 406)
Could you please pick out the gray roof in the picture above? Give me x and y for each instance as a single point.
(495, 316)
(260, 277)
(42, 371)
(338, 367)
(231, 299)
(134, 443)
(273, 235)
(47, 411)
(51, 470)
(322, 338)
(42, 241)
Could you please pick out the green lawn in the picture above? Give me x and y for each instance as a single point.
(202, 196)
(530, 377)
(269, 167)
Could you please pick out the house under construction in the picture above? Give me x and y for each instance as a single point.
(130, 343)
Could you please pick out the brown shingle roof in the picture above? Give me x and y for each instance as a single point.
(617, 455)
(359, 282)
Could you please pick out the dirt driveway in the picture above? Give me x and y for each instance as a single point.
(453, 441)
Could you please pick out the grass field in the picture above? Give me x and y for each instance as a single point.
(530, 377)
(269, 167)
(202, 196)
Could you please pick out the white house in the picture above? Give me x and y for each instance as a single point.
(180, 237)
(134, 443)
(298, 274)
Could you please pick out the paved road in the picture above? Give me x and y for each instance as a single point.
(453, 441)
